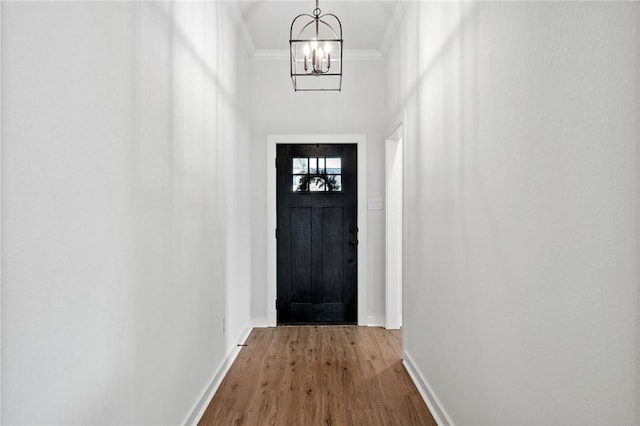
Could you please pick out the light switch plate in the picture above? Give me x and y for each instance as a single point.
(374, 204)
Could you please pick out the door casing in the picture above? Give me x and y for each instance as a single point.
(361, 141)
(393, 228)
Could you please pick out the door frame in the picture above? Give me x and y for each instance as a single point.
(394, 194)
(1, 211)
(361, 141)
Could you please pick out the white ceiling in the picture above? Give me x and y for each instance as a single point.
(364, 23)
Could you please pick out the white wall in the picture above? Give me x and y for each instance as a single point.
(277, 109)
(521, 208)
(125, 211)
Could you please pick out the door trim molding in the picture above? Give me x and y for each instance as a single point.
(393, 227)
(361, 141)
(1, 210)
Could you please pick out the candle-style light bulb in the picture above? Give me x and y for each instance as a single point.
(327, 49)
(320, 56)
(306, 51)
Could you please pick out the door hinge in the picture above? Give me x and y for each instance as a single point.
(276, 233)
(277, 307)
(276, 161)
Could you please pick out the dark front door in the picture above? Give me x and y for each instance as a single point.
(317, 233)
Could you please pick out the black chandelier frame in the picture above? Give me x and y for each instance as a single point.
(299, 64)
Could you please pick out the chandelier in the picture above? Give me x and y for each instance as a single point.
(316, 52)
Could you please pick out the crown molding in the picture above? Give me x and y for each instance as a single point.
(275, 54)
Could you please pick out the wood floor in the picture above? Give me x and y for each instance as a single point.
(325, 375)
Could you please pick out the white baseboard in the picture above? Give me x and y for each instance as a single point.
(373, 321)
(437, 411)
(201, 405)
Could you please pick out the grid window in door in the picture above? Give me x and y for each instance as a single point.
(316, 174)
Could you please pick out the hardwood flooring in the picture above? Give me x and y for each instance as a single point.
(324, 375)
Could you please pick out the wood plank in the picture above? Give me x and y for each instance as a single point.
(318, 375)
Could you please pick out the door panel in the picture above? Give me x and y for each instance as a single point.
(301, 253)
(317, 233)
(332, 255)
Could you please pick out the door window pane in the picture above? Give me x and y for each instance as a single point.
(334, 166)
(300, 166)
(317, 174)
(317, 184)
(300, 183)
(334, 183)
